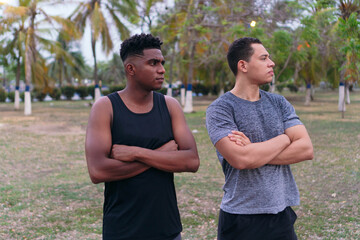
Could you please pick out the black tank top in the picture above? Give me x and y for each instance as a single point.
(144, 206)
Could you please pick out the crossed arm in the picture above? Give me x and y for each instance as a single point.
(109, 163)
(291, 147)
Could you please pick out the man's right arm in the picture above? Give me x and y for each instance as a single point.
(98, 147)
(253, 155)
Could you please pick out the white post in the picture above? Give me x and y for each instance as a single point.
(182, 95)
(27, 109)
(341, 106)
(97, 93)
(17, 98)
(188, 108)
(169, 91)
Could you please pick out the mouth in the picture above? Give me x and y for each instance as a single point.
(271, 73)
(160, 79)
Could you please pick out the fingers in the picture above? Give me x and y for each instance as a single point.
(239, 138)
(169, 146)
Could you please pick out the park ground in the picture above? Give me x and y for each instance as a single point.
(45, 191)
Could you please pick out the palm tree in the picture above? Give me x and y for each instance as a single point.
(96, 12)
(112, 72)
(15, 48)
(30, 10)
(66, 63)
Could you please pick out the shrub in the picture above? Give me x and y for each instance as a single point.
(214, 89)
(265, 87)
(82, 91)
(11, 96)
(39, 94)
(115, 88)
(91, 90)
(280, 87)
(105, 92)
(2, 95)
(292, 87)
(201, 88)
(55, 93)
(68, 91)
(163, 91)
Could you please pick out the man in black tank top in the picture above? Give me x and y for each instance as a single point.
(136, 139)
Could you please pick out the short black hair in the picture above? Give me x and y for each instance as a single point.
(240, 49)
(136, 45)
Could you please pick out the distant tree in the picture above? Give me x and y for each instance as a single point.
(96, 13)
(112, 72)
(34, 16)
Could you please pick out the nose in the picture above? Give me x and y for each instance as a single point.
(161, 69)
(271, 63)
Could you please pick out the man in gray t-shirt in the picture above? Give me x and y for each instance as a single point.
(257, 136)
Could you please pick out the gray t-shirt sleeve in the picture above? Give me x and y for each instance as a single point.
(219, 121)
(290, 118)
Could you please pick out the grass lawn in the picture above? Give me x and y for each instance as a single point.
(45, 191)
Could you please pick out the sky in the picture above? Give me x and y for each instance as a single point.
(64, 10)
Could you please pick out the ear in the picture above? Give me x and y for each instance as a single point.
(242, 66)
(130, 69)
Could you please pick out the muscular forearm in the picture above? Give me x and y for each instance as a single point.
(262, 153)
(298, 151)
(173, 161)
(253, 155)
(108, 170)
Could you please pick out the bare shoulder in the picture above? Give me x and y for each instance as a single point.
(103, 105)
(172, 104)
(101, 110)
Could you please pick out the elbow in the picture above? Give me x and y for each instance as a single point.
(243, 163)
(310, 153)
(194, 165)
(95, 176)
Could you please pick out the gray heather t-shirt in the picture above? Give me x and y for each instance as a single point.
(270, 188)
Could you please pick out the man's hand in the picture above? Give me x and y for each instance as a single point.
(239, 138)
(123, 152)
(169, 146)
(127, 153)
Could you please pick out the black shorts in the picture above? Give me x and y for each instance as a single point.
(257, 226)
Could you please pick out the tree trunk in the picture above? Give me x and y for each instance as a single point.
(308, 94)
(347, 93)
(169, 90)
(61, 73)
(17, 85)
(342, 107)
(188, 102)
(97, 93)
(272, 84)
(29, 59)
(182, 94)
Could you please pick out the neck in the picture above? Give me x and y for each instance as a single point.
(245, 90)
(136, 95)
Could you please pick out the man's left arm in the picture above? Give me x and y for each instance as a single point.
(300, 148)
(184, 159)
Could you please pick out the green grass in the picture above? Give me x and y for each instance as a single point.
(46, 193)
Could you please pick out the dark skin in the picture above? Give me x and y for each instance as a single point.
(110, 163)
